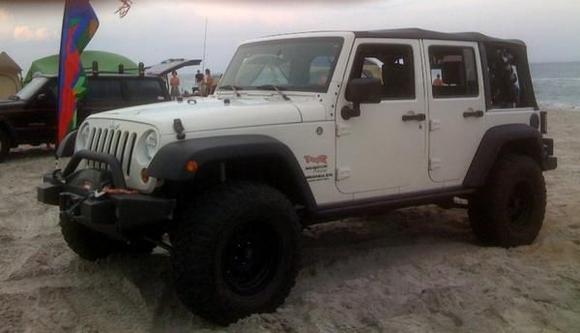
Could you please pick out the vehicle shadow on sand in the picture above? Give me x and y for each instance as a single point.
(324, 245)
(29, 152)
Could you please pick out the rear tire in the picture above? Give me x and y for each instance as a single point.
(509, 210)
(5, 144)
(236, 252)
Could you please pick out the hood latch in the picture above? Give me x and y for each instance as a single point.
(178, 128)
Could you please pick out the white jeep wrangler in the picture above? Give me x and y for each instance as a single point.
(306, 128)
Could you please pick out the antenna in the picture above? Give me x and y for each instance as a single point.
(204, 46)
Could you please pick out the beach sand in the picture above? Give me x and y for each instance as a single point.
(412, 270)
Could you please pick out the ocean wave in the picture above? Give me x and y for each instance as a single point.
(574, 79)
(558, 105)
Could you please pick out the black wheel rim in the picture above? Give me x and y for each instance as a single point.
(520, 204)
(251, 258)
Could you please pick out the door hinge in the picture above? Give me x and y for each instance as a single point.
(434, 164)
(342, 129)
(342, 173)
(434, 124)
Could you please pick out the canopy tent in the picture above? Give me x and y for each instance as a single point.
(108, 62)
(10, 81)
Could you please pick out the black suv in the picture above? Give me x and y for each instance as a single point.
(30, 116)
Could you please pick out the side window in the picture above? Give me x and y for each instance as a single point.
(52, 89)
(453, 71)
(104, 90)
(144, 90)
(392, 64)
(50, 92)
(508, 74)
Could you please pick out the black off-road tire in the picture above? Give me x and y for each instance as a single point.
(509, 210)
(219, 274)
(86, 243)
(5, 144)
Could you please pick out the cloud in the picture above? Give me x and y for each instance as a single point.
(241, 14)
(271, 2)
(136, 2)
(4, 15)
(26, 33)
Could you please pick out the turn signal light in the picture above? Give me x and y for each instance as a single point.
(144, 175)
(191, 166)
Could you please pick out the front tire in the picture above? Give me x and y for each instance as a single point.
(236, 252)
(509, 210)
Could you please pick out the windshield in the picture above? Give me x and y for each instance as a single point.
(305, 64)
(31, 88)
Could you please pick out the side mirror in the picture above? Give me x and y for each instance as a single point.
(361, 91)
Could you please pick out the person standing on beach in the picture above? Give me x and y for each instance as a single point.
(438, 82)
(199, 77)
(174, 83)
(208, 83)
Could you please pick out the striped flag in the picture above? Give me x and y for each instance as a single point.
(79, 26)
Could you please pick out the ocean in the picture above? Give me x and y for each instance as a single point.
(557, 84)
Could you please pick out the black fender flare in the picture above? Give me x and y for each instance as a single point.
(493, 141)
(170, 161)
(66, 147)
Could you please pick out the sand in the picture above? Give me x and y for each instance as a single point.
(412, 270)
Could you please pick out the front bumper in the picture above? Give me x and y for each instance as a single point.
(115, 214)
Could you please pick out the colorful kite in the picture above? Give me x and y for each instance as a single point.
(79, 26)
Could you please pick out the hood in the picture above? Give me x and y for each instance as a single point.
(203, 114)
(10, 104)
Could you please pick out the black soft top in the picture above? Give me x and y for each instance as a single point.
(415, 33)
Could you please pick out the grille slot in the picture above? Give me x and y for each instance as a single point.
(116, 142)
(132, 141)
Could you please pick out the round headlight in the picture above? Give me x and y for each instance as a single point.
(83, 136)
(151, 144)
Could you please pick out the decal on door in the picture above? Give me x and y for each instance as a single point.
(317, 168)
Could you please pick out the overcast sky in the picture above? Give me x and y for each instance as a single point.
(157, 30)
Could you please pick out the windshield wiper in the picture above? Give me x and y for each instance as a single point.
(14, 98)
(274, 87)
(233, 88)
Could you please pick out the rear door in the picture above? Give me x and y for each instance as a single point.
(456, 102)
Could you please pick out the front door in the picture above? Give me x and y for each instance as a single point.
(456, 108)
(383, 151)
(36, 122)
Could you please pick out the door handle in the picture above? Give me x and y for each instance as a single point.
(470, 113)
(414, 117)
